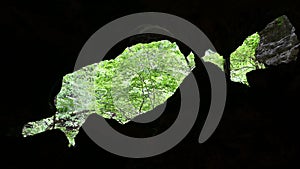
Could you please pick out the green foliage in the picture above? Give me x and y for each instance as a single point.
(243, 60)
(280, 20)
(214, 58)
(154, 76)
(141, 78)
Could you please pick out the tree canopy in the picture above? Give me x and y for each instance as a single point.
(138, 80)
(242, 60)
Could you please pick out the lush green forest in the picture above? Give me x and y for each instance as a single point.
(138, 80)
(242, 60)
(142, 77)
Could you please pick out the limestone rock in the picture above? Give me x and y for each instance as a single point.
(278, 43)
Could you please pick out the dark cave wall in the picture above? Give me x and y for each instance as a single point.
(43, 39)
(47, 36)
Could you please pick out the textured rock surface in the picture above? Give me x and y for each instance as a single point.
(278, 42)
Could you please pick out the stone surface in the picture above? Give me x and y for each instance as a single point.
(278, 43)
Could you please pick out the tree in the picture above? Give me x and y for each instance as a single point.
(243, 60)
(138, 80)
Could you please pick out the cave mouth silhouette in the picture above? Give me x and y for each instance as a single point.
(258, 128)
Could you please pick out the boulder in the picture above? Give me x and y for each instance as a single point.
(278, 43)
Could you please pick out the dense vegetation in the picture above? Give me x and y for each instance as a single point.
(141, 78)
(243, 60)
